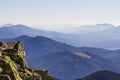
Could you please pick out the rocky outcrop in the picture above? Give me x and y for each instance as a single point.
(13, 65)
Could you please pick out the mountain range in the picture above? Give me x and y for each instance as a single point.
(62, 58)
(64, 54)
(100, 35)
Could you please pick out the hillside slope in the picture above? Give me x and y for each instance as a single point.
(71, 65)
(102, 75)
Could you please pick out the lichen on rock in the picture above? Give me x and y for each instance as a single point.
(13, 64)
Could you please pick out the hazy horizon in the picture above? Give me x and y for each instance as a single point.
(67, 28)
(39, 12)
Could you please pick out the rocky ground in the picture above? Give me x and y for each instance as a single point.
(13, 65)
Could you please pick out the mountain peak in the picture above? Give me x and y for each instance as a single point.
(7, 25)
(102, 75)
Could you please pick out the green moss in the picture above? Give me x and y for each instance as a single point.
(1, 69)
(49, 78)
(29, 73)
(0, 53)
(4, 77)
(12, 68)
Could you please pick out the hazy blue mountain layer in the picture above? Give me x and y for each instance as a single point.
(64, 61)
(100, 35)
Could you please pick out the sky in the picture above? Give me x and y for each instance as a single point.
(42, 12)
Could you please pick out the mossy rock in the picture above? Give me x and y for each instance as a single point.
(10, 68)
(13, 65)
(1, 69)
(4, 77)
(0, 53)
(49, 78)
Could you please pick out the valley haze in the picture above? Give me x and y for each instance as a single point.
(99, 35)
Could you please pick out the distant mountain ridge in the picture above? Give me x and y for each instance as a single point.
(100, 35)
(13, 31)
(102, 75)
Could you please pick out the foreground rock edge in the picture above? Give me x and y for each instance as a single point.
(13, 64)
